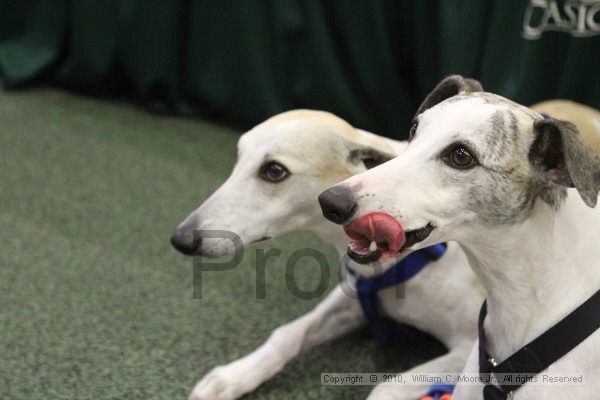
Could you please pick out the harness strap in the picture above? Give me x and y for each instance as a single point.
(405, 269)
(439, 391)
(543, 351)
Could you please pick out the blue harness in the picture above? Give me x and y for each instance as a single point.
(438, 390)
(405, 269)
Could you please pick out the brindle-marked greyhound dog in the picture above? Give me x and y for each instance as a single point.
(516, 190)
(283, 164)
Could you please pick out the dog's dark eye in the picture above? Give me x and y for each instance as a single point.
(461, 157)
(272, 171)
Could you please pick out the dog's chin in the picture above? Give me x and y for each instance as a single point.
(217, 248)
(363, 255)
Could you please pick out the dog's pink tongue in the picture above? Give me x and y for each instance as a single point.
(379, 227)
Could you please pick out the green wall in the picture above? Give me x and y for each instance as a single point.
(371, 62)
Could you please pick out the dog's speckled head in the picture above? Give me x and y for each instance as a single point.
(283, 164)
(475, 158)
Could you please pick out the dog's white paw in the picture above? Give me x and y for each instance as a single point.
(219, 384)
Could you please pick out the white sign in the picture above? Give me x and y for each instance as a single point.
(579, 18)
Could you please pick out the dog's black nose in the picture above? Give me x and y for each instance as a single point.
(338, 203)
(184, 241)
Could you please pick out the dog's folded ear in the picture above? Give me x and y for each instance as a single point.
(561, 156)
(369, 156)
(448, 87)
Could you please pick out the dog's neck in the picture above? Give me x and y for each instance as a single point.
(536, 272)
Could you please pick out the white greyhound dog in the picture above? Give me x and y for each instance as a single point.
(283, 164)
(493, 176)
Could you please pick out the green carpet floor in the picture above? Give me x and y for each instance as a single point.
(94, 303)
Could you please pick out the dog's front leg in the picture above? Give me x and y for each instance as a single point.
(338, 314)
(451, 363)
